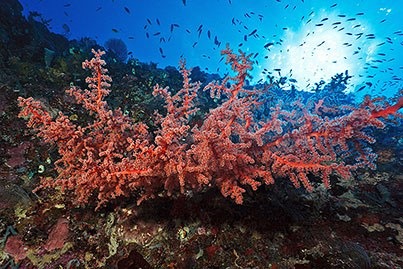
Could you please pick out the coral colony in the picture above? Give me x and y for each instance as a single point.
(230, 149)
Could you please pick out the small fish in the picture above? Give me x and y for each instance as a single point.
(66, 28)
(351, 19)
(115, 30)
(158, 21)
(319, 24)
(149, 21)
(173, 25)
(360, 14)
(341, 16)
(184, 2)
(157, 33)
(67, 5)
(324, 19)
(253, 32)
(194, 44)
(334, 5)
(361, 88)
(127, 10)
(336, 23)
(98, 9)
(209, 34)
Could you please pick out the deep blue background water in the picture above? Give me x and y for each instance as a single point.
(308, 40)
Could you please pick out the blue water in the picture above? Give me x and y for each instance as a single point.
(306, 40)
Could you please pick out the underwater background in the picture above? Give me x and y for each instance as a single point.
(212, 134)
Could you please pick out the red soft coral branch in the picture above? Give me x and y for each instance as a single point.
(112, 156)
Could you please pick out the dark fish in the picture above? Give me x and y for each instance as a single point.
(277, 69)
(351, 19)
(66, 28)
(355, 26)
(127, 10)
(188, 31)
(240, 44)
(321, 43)
(382, 21)
(245, 38)
(341, 16)
(336, 23)
(147, 35)
(158, 21)
(161, 51)
(334, 5)
(149, 21)
(208, 34)
(173, 25)
(115, 30)
(360, 14)
(319, 24)
(67, 5)
(268, 45)
(361, 88)
(157, 33)
(260, 17)
(324, 19)
(130, 37)
(194, 44)
(253, 32)
(98, 9)
(184, 2)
